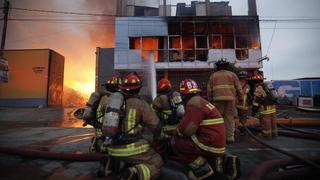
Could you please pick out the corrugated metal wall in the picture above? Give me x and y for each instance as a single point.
(29, 78)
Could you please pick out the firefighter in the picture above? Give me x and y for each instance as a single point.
(265, 100)
(123, 127)
(169, 108)
(223, 87)
(168, 105)
(201, 133)
(101, 99)
(242, 107)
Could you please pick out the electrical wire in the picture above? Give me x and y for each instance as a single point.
(62, 12)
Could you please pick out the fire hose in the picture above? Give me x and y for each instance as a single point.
(261, 170)
(297, 130)
(264, 170)
(53, 155)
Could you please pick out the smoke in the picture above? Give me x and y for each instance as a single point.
(73, 36)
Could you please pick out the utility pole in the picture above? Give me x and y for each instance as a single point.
(4, 29)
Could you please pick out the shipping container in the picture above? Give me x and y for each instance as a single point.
(35, 78)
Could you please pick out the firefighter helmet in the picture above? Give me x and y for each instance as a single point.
(164, 85)
(112, 84)
(130, 82)
(222, 62)
(188, 86)
(242, 74)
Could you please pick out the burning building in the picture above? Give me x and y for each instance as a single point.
(35, 78)
(186, 46)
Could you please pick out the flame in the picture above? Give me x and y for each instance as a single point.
(85, 88)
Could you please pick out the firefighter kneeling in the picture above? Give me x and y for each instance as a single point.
(201, 138)
(95, 110)
(124, 139)
(169, 108)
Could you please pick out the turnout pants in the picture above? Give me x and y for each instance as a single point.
(228, 112)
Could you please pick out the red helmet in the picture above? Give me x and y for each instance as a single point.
(112, 84)
(130, 82)
(164, 85)
(188, 86)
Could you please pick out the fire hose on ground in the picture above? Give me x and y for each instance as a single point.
(53, 155)
(264, 168)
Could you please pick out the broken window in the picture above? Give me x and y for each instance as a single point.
(188, 55)
(202, 55)
(201, 28)
(146, 55)
(241, 41)
(174, 29)
(149, 43)
(163, 42)
(201, 42)
(175, 55)
(163, 55)
(227, 41)
(187, 28)
(134, 43)
(242, 54)
(174, 42)
(188, 42)
(215, 42)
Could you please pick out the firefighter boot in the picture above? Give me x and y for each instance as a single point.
(232, 168)
(200, 169)
(130, 173)
(217, 165)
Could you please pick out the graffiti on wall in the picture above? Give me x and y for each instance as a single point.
(289, 90)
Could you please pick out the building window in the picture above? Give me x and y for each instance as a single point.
(188, 55)
(202, 55)
(163, 55)
(201, 42)
(242, 54)
(215, 42)
(201, 28)
(174, 42)
(163, 42)
(241, 41)
(175, 55)
(134, 43)
(227, 41)
(149, 43)
(187, 42)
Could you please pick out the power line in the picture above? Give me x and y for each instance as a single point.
(62, 12)
(273, 32)
(112, 15)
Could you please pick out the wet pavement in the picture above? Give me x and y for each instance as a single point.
(55, 130)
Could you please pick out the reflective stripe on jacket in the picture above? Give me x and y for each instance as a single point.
(223, 85)
(128, 150)
(209, 122)
(244, 104)
(203, 123)
(265, 110)
(138, 114)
